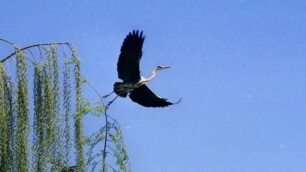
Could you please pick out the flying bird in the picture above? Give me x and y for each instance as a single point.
(133, 83)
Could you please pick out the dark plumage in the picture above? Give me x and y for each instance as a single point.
(128, 71)
(117, 91)
(145, 97)
(130, 55)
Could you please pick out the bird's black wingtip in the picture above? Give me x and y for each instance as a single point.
(167, 104)
(138, 33)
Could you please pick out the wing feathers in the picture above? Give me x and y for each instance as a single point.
(128, 71)
(130, 55)
(145, 97)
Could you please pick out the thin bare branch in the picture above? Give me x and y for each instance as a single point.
(35, 45)
(95, 90)
(9, 42)
(105, 142)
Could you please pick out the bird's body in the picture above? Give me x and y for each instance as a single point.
(128, 70)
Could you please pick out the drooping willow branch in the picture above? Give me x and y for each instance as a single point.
(106, 127)
(110, 136)
(22, 113)
(46, 101)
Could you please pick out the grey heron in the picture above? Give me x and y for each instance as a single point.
(133, 83)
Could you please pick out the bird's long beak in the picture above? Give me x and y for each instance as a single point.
(165, 67)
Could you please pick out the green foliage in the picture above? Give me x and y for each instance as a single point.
(78, 115)
(39, 121)
(22, 113)
(58, 112)
(67, 111)
(4, 119)
(57, 143)
(120, 151)
(10, 114)
(7, 124)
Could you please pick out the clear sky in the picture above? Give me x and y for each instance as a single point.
(239, 65)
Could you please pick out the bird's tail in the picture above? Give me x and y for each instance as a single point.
(118, 91)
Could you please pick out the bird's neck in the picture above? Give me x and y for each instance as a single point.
(150, 77)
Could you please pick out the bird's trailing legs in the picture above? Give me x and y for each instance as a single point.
(121, 94)
(110, 102)
(105, 96)
(119, 89)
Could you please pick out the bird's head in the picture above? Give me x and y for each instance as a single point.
(162, 67)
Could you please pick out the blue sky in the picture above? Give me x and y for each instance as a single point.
(239, 65)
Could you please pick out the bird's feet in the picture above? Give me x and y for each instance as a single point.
(105, 96)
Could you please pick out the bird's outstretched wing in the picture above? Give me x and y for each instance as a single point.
(145, 97)
(130, 55)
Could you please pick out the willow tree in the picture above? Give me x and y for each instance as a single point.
(42, 108)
